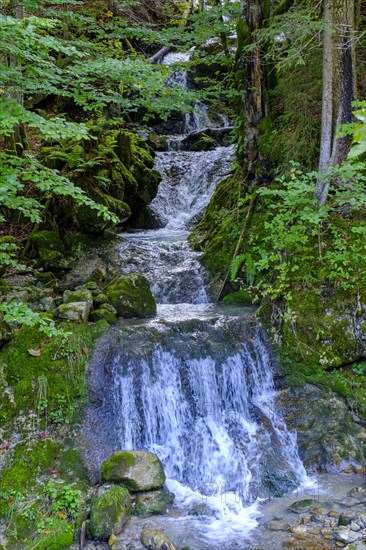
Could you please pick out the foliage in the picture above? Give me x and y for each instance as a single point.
(357, 130)
(18, 313)
(63, 498)
(289, 39)
(19, 173)
(303, 243)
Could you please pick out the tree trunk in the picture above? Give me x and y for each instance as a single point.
(338, 86)
(255, 103)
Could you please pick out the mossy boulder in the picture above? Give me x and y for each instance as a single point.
(156, 540)
(100, 299)
(110, 511)
(137, 470)
(52, 260)
(152, 503)
(205, 143)
(50, 240)
(131, 296)
(74, 311)
(82, 295)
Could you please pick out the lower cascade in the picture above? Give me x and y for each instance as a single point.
(195, 387)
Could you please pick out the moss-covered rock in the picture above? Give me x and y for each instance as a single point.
(5, 331)
(82, 295)
(74, 311)
(106, 312)
(152, 503)
(131, 296)
(110, 511)
(100, 299)
(137, 470)
(50, 240)
(52, 260)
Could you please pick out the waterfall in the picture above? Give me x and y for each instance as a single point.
(195, 384)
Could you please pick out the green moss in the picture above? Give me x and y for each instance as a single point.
(59, 536)
(27, 462)
(49, 240)
(52, 382)
(131, 296)
(52, 260)
(241, 296)
(119, 460)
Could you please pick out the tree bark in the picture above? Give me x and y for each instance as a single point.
(338, 86)
(254, 99)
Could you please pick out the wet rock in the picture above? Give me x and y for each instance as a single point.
(326, 432)
(301, 506)
(74, 311)
(137, 470)
(346, 535)
(278, 525)
(110, 511)
(299, 531)
(346, 518)
(131, 296)
(156, 540)
(152, 503)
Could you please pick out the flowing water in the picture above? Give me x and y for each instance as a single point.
(195, 384)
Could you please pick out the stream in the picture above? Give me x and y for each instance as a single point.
(194, 384)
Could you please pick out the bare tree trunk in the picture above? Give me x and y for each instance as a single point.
(255, 103)
(338, 86)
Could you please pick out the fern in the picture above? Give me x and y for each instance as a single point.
(236, 265)
(238, 262)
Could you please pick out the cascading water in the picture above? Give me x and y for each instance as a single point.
(194, 385)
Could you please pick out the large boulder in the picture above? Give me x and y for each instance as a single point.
(156, 540)
(131, 296)
(137, 470)
(329, 440)
(110, 511)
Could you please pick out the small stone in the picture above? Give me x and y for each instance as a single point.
(83, 295)
(278, 525)
(299, 531)
(112, 539)
(354, 526)
(301, 506)
(74, 311)
(345, 535)
(333, 514)
(156, 540)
